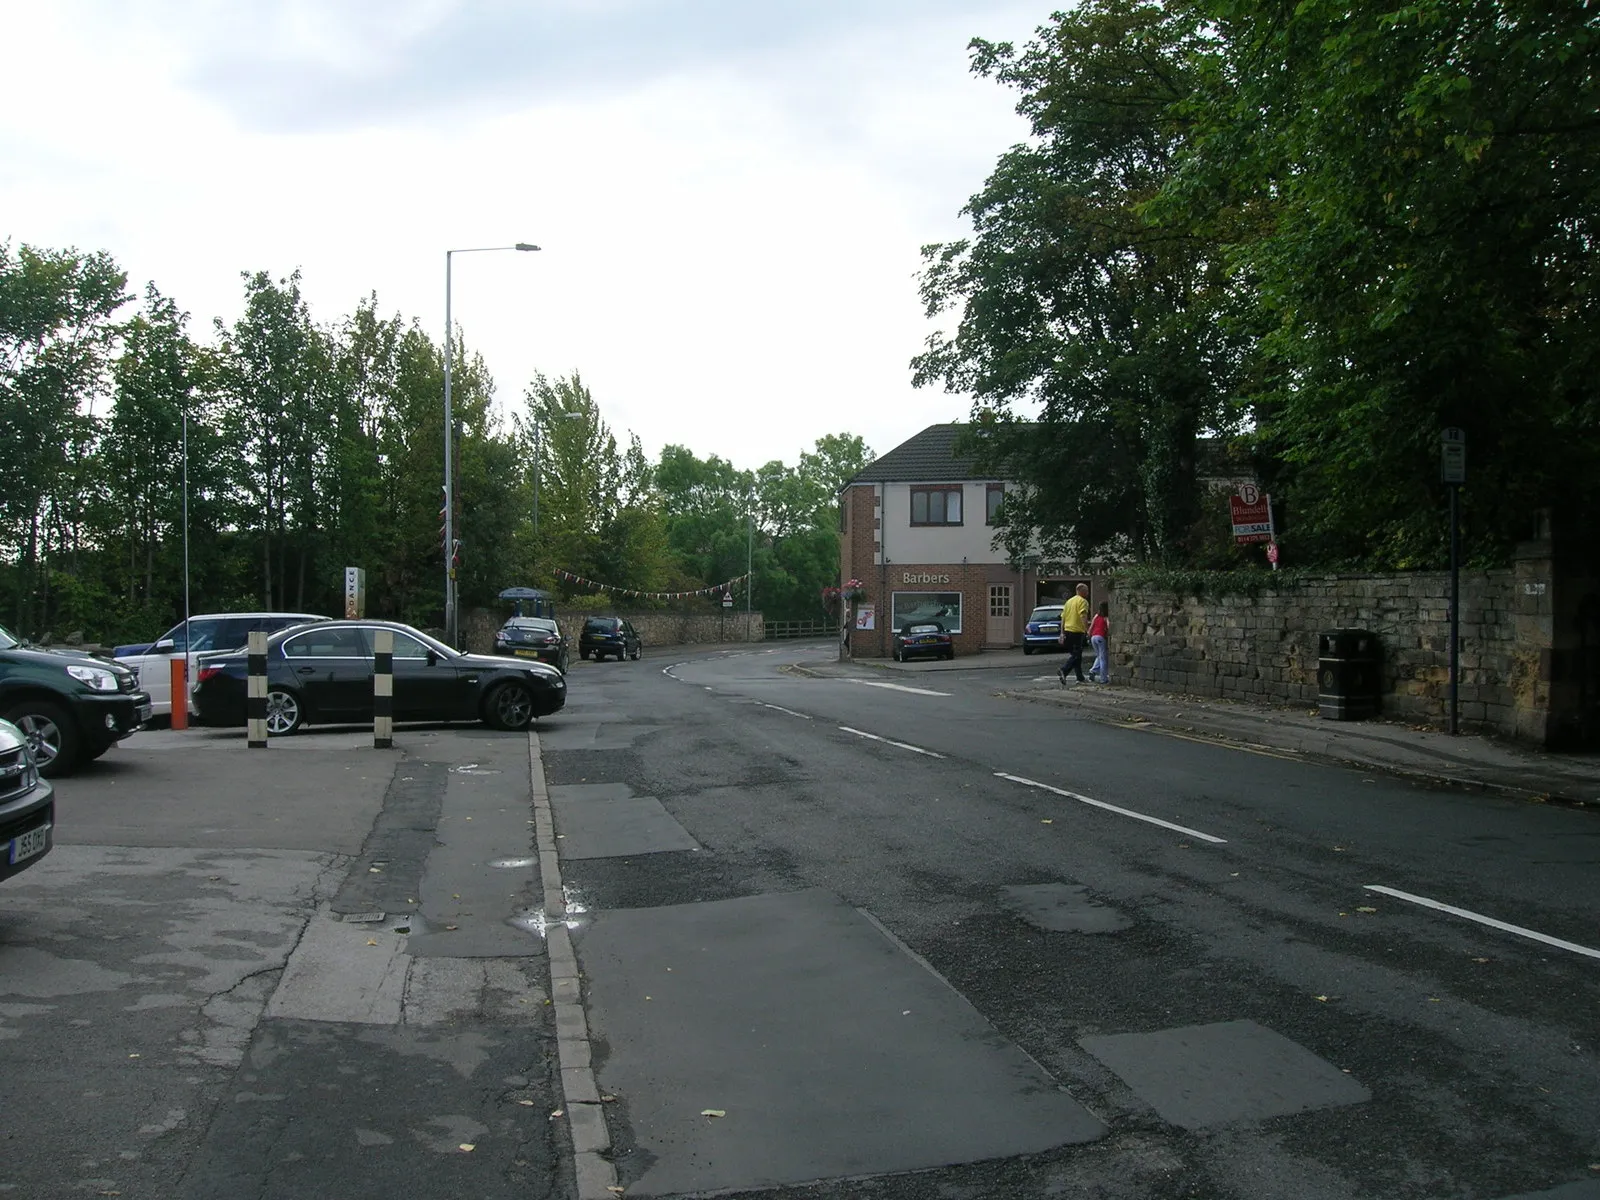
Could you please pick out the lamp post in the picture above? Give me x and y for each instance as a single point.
(749, 559)
(450, 630)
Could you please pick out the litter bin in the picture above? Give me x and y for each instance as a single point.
(1349, 675)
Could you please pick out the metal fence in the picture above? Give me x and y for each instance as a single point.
(776, 630)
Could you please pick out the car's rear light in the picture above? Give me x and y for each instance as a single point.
(210, 673)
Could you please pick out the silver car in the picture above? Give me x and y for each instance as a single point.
(207, 633)
(27, 805)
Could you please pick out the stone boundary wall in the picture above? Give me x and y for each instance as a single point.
(1265, 648)
(478, 627)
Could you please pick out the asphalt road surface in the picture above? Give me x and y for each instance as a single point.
(842, 933)
(867, 893)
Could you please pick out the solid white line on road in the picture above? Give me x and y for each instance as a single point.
(1483, 920)
(1125, 812)
(887, 742)
(898, 687)
(782, 709)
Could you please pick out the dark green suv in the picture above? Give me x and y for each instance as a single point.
(71, 707)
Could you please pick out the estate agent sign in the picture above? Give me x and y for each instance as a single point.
(1252, 515)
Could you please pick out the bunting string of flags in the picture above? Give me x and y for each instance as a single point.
(639, 595)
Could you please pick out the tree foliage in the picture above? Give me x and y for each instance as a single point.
(1319, 233)
(1125, 335)
(315, 446)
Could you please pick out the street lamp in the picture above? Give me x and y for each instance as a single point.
(450, 630)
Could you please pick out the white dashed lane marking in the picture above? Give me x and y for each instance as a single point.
(887, 742)
(1124, 812)
(1491, 922)
(897, 687)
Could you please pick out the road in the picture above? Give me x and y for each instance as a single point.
(886, 935)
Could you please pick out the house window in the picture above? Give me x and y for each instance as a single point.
(996, 497)
(936, 506)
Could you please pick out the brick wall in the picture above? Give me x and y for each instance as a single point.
(1265, 648)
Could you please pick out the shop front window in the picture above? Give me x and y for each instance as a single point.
(915, 607)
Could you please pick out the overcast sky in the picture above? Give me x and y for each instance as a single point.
(730, 194)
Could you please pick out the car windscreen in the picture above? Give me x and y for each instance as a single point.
(201, 635)
(601, 625)
(1045, 614)
(923, 629)
(7, 642)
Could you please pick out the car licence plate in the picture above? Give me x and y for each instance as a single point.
(144, 713)
(26, 845)
(527, 654)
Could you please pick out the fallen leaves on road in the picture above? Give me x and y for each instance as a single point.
(560, 1112)
(1480, 960)
(526, 1103)
(713, 1112)
(1366, 908)
(466, 1147)
(372, 942)
(1047, 821)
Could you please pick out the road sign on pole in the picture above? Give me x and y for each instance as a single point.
(1453, 456)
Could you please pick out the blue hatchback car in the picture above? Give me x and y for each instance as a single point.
(1042, 629)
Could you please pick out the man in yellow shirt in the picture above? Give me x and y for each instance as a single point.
(1074, 630)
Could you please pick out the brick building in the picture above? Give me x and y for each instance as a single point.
(917, 529)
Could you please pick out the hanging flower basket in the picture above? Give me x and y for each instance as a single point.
(852, 590)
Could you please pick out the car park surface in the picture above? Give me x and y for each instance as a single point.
(922, 639)
(70, 707)
(609, 636)
(27, 807)
(203, 634)
(322, 673)
(538, 638)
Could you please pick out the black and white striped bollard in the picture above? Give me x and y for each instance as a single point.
(382, 689)
(255, 704)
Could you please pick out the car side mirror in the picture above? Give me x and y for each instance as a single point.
(163, 646)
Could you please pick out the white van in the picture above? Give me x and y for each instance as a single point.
(204, 634)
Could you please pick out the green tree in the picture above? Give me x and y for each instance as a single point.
(1128, 336)
(141, 457)
(56, 326)
(1423, 182)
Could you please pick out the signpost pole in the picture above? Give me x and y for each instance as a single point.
(1453, 473)
(1455, 609)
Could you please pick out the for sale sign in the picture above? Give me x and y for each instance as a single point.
(1252, 515)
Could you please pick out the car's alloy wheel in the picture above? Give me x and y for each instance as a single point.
(51, 735)
(510, 706)
(284, 714)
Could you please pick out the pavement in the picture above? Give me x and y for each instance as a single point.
(1396, 747)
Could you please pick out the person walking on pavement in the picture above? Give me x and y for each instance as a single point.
(1099, 631)
(1074, 631)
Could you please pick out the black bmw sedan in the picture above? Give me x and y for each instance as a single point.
(322, 673)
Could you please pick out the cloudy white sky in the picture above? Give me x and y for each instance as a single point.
(730, 194)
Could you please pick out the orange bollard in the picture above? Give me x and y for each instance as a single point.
(180, 693)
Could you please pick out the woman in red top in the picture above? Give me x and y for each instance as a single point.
(1099, 630)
